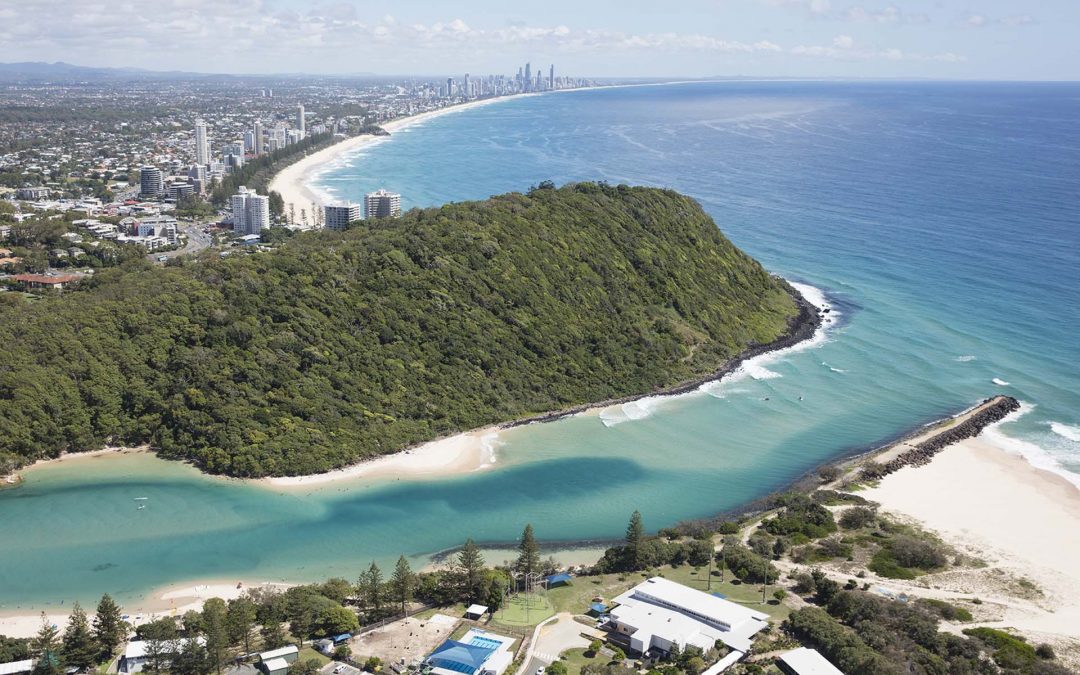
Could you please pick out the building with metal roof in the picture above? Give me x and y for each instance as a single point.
(659, 614)
(806, 661)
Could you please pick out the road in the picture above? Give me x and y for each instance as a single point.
(555, 638)
(197, 240)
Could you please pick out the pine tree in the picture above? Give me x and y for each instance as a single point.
(217, 637)
(240, 621)
(403, 582)
(370, 588)
(273, 635)
(528, 560)
(470, 567)
(80, 649)
(47, 649)
(635, 536)
(108, 627)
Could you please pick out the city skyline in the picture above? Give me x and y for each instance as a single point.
(997, 39)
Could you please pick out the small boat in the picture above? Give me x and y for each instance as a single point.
(141, 507)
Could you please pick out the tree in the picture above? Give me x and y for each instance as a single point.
(272, 634)
(335, 620)
(240, 621)
(46, 646)
(370, 588)
(635, 535)
(108, 627)
(403, 582)
(80, 651)
(161, 644)
(595, 646)
(190, 659)
(215, 627)
(470, 568)
(556, 668)
(528, 560)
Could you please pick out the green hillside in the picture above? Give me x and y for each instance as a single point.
(344, 345)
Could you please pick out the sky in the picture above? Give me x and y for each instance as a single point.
(973, 39)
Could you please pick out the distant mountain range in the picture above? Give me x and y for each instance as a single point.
(60, 71)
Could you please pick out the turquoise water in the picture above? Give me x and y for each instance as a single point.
(941, 221)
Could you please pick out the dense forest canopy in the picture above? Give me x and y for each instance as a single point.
(340, 346)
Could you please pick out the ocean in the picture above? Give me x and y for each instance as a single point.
(940, 221)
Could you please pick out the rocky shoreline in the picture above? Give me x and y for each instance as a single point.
(801, 327)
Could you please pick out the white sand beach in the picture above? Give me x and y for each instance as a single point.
(995, 505)
(455, 455)
(172, 600)
(14, 478)
(293, 181)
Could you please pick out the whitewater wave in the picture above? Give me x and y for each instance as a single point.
(489, 443)
(1035, 454)
(835, 370)
(633, 410)
(965, 358)
(1000, 382)
(1066, 431)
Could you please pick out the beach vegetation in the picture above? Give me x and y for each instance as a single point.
(946, 610)
(341, 346)
(857, 517)
(800, 514)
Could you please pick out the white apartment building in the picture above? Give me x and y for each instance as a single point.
(382, 204)
(250, 211)
(338, 216)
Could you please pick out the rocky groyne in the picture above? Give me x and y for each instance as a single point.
(989, 411)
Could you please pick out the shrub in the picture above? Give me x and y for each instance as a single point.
(828, 474)
(801, 515)
(946, 610)
(918, 553)
(780, 594)
(1010, 651)
(885, 565)
(1045, 651)
(857, 517)
(556, 668)
(748, 566)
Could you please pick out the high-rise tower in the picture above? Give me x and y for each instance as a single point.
(300, 120)
(202, 144)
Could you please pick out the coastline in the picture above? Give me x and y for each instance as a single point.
(996, 506)
(474, 450)
(15, 478)
(449, 456)
(292, 182)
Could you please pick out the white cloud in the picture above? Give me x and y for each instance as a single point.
(248, 36)
(975, 20)
(843, 48)
(1018, 20)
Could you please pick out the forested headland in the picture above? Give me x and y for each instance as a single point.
(340, 346)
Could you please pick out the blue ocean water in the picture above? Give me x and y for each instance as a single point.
(941, 220)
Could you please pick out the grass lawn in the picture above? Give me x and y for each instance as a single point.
(307, 653)
(576, 659)
(576, 596)
(744, 594)
(515, 612)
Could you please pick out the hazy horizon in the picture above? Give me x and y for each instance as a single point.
(695, 39)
